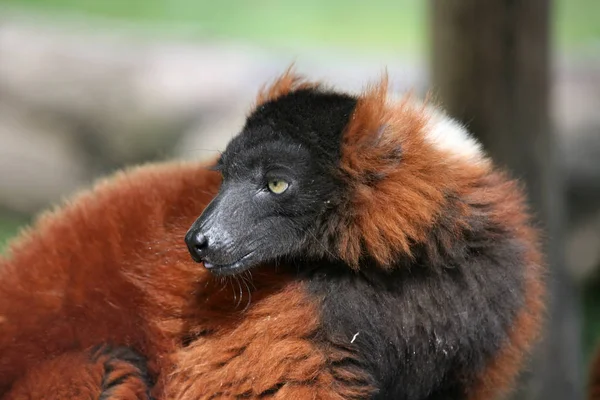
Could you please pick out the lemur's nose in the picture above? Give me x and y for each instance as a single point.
(197, 244)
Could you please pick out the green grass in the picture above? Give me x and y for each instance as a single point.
(389, 25)
(9, 226)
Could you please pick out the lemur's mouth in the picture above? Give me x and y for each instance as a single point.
(241, 265)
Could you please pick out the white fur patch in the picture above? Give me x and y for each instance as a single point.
(448, 135)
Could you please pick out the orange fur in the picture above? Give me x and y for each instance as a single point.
(286, 83)
(387, 140)
(248, 355)
(111, 266)
(80, 376)
(67, 283)
(68, 376)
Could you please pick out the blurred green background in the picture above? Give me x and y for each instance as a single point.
(381, 25)
(9, 226)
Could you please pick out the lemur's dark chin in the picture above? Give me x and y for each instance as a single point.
(243, 264)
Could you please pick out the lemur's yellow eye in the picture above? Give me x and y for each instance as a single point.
(278, 186)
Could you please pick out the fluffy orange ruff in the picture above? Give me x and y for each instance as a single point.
(286, 83)
(390, 166)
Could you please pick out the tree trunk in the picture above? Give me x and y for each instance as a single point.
(491, 70)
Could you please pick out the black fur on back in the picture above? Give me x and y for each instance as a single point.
(427, 329)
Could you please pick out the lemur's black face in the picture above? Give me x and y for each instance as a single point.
(279, 181)
(269, 200)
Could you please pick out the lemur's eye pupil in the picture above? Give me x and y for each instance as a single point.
(277, 186)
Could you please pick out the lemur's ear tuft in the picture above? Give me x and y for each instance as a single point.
(288, 82)
(388, 165)
(374, 139)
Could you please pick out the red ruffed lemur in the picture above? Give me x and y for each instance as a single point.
(342, 247)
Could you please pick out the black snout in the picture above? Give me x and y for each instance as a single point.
(197, 244)
(218, 240)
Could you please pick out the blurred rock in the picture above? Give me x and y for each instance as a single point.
(126, 100)
(39, 162)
